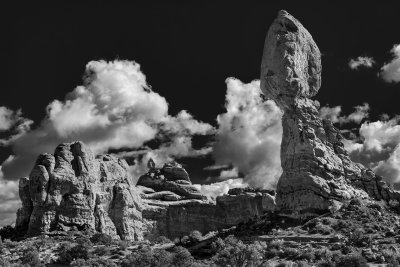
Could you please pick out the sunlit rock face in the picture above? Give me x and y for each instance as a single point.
(317, 172)
(173, 207)
(73, 189)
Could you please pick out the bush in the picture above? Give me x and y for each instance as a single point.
(100, 238)
(4, 263)
(352, 260)
(276, 244)
(31, 258)
(93, 263)
(290, 253)
(182, 257)
(147, 257)
(100, 251)
(69, 253)
(161, 240)
(359, 238)
(236, 253)
(7, 232)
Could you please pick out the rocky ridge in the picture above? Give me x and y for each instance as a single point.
(318, 174)
(73, 189)
(174, 208)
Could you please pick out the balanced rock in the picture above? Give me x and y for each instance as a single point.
(318, 174)
(73, 189)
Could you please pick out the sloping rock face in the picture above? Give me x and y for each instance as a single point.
(317, 172)
(174, 207)
(72, 188)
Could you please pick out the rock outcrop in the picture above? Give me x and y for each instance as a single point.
(318, 174)
(73, 189)
(172, 177)
(173, 207)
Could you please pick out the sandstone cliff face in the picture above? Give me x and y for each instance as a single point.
(72, 188)
(317, 171)
(174, 208)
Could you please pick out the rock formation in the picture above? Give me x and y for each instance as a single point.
(73, 189)
(318, 174)
(174, 207)
(171, 177)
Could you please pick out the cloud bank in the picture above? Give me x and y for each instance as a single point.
(115, 108)
(220, 188)
(378, 148)
(366, 62)
(333, 114)
(249, 135)
(390, 72)
(9, 200)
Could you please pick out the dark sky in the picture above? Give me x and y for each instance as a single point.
(188, 50)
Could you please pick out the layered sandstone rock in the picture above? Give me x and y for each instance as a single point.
(172, 178)
(72, 188)
(178, 218)
(317, 171)
(174, 207)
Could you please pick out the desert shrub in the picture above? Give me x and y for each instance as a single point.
(327, 263)
(355, 202)
(10, 244)
(100, 238)
(182, 257)
(321, 228)
(236, 253)
(218, 244)
(291, 264)
(4, 263)
(307, 254)
(161, 240)
(271, 253)
(100, 251)
(358, 238)
(84, 240)
(122, 244)
(322, 254)
(394, 204)
(69, 253)
(352, 260)
(7, 232)
(290, 253)
(31, 257)
(146, 257)
(276, 244)
(195, 236)
(98, 262)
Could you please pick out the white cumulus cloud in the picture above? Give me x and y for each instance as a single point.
(249, 134)
(378, 148)
(9, 200)
(333, 113)
(390, 72)
(115, 108)
(358, 62)
(220, 188)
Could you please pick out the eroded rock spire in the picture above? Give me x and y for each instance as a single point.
(317, 172)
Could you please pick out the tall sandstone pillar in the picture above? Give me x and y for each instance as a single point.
(318, 174)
